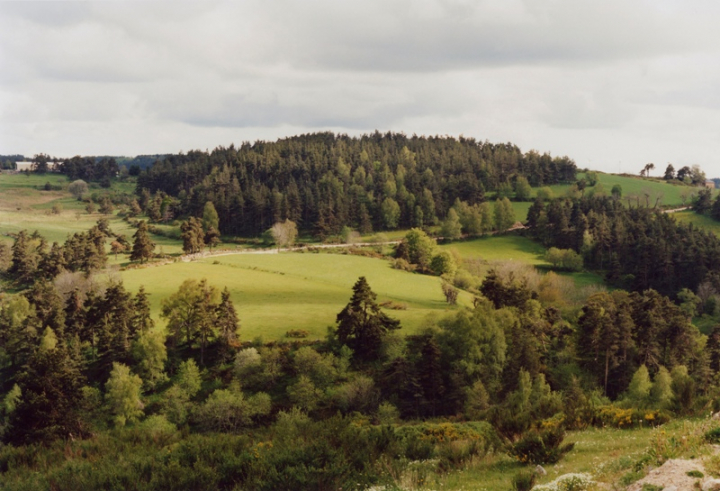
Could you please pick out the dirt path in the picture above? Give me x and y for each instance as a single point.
(274, 250)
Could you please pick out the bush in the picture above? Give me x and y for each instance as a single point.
(566, 259)
(616, 417)
(541, 446)
(523, 480)
(403, 265)
(712, 436)
(297, 333)
(389, 304)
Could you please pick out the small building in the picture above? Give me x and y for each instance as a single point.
(24, 166)
(30, 166)
(710, 184)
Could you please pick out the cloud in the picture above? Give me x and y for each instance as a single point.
(616, 78)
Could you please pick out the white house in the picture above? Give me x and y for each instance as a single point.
(21, 166)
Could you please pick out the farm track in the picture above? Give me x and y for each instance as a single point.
(225, 252)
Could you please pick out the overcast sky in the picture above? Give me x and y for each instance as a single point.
(613, 84)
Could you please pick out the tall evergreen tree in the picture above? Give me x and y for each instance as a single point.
(143, 247)
(50, 406)
(362, 325)
(192, 236)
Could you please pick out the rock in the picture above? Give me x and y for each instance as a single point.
(711, 485)
(716, 415)
(670, 488)
(540, 471)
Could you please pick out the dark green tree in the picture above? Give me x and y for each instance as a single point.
(141, 321)
(227, 324)
(669, 173)
(429, 370)
(143, 247)
(192, 236)
(50, 406)
(703, 202)
(362, 325)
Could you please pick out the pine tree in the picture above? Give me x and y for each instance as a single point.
(192, 236)
(227, 324)
(212, 237)
(50, 405)
(430, 375)
(362, 325)
(143, 247)
(53, 263)
(141, 320)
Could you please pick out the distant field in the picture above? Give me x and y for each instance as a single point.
(514, 248)
(24, 207)
(702, 221)
(277, 292)
(500, 248)
(671, 194)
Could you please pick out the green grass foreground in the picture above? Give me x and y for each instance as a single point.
(274, 293)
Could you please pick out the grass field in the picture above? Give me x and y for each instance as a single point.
(701, 221)
(24, 207)
(654, 186)
(277, 292)
(500, 248)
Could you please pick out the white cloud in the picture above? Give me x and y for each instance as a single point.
(630, 81)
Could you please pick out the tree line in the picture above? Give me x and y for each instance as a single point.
(324, 181)
(637, 248)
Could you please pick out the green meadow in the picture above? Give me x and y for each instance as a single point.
(672, 194)
(701, 221)
(23, 206)
(274, 293)
(500, 248)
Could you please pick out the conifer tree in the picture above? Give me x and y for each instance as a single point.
(192, 236)
(227, 324)
(430, 376)
(50, 406)
(141, 320)
(362, 325)
(143, 247)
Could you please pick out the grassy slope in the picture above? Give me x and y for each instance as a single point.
(277, 292)
(23, 206)
(603, 453)
(636, 186)
(514, 248)
(702, 221)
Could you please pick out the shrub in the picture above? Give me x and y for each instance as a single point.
(389, 304)
(297, 333)
(403, 265)
(630, 418)
(523, 480)
(712, 436)
(541, 446)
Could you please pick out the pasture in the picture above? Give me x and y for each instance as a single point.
(701, 221)
(274, 293)
(23, 206)
(671, 194)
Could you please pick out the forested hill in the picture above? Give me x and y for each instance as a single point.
(325, 181)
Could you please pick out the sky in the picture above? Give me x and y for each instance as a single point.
(614, 84)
